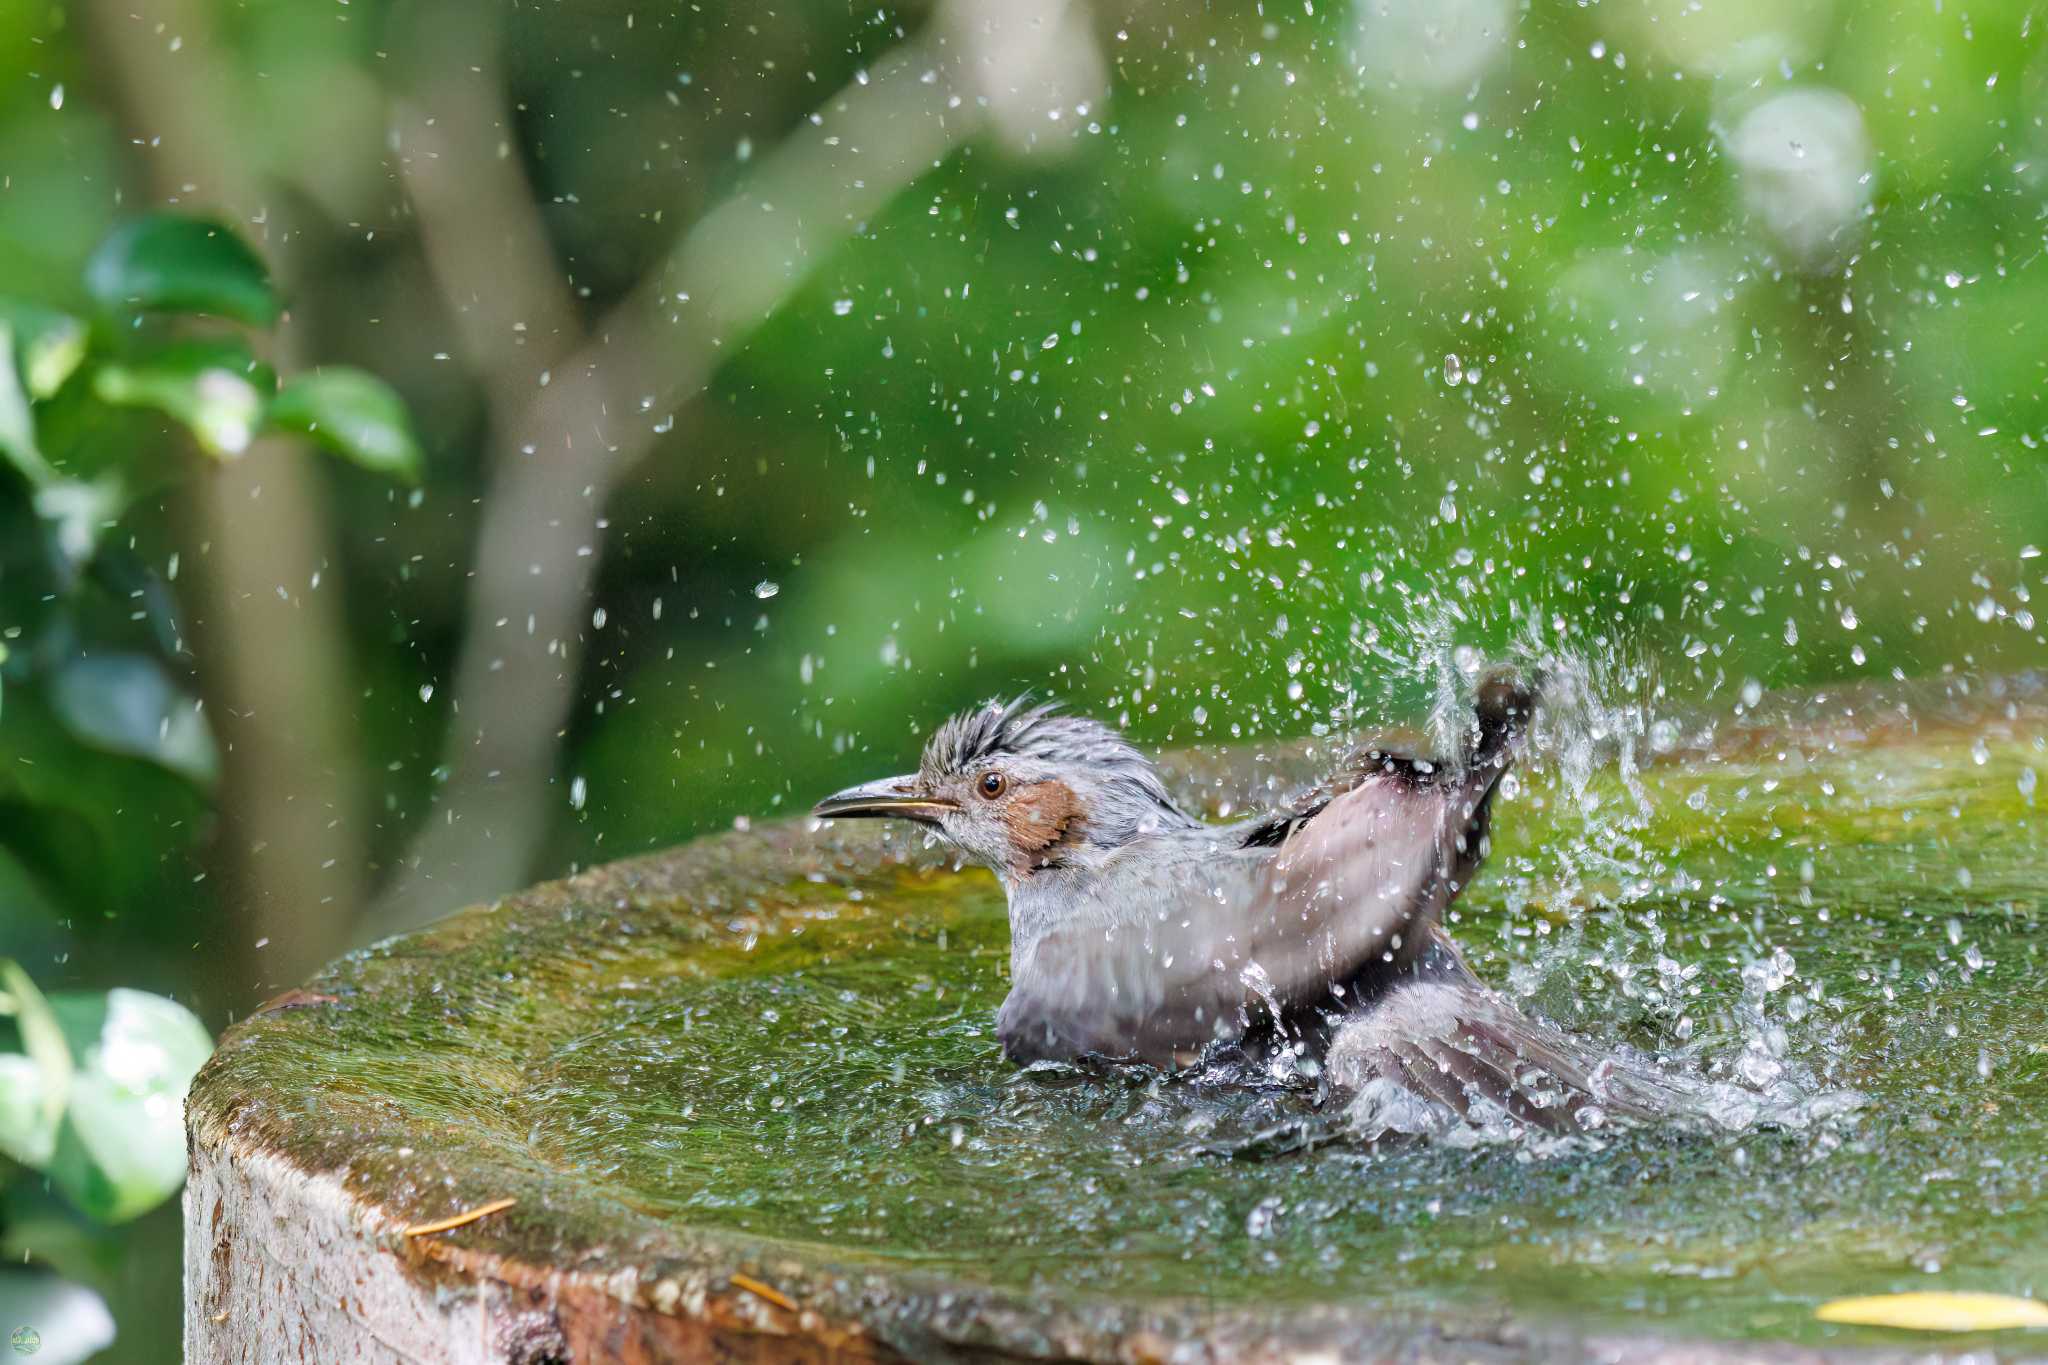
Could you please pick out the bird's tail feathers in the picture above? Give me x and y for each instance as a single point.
(1505, 701)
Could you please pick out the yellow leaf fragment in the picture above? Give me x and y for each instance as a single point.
(1935, 1311)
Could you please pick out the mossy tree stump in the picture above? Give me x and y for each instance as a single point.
(428, 1077)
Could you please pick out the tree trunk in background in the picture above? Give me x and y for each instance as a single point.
(982, 65)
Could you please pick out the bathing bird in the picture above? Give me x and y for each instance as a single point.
(1141, 934)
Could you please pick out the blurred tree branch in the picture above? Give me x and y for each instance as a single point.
(564, 442)
(267, 621)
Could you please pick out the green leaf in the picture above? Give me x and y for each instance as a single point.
(121, 1151)
(75, 806)
(50, 344)
(354, 414)
(80, 511)
(27, 1133)
(126, 704)
(36, 1083)
(17, 423)
(28, 900)
(215, 388)
(166, 263)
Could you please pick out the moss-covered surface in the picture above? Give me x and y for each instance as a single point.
(772, 1051)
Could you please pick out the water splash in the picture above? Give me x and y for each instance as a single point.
(1586, 936)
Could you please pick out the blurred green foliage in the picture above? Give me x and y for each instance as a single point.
(99, 710)
(93, 1098)
(1315, 340)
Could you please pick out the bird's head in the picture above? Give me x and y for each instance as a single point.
(1023, 789)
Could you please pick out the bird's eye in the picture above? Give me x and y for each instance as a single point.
(992, 785)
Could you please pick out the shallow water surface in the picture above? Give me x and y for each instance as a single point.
(1813, 914)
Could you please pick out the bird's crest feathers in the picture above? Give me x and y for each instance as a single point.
(989, 731)
(1123, 793)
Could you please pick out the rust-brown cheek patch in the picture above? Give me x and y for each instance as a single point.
(1043, 820)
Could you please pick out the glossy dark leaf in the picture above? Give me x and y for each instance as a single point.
(353, 413)
(167, 263)
(74, 812)
(126, 704)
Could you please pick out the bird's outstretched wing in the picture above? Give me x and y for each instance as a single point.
(1467, 1053)
(1191, 939)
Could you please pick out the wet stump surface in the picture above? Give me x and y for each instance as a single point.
(477, 1062)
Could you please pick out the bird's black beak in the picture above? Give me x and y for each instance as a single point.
(895, 797)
